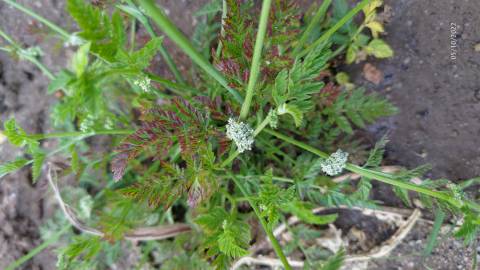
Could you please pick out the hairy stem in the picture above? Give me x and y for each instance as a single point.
(182, 41)
(144, 21)
(323, 38)
(268, 230)
(312, 25)
(30, 58)
(379, 176)
(79, 133)
(257, 54)
(49, 24)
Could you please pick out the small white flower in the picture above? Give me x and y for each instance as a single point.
(30, 52)
(273, 116)
(334, 164)
(87, 123)
(143, 83)
(241, 133)
(457, 192)
(74, 40)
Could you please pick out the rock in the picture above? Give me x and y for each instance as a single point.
(372, 74)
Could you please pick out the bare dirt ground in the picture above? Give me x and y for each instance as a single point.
(439, 100)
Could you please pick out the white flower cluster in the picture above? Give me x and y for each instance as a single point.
(241, 134)
(457, 192)
(87, 123)
(334, 164)
(30, 52)
(74, 40)
(143, 83)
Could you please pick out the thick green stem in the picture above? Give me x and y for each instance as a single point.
(268, 230)
(79, 133)
(312, 25)
(53, 239)
(176, 36)
(379, 176)
(133, 11)
(49, 24)
(326, 36)
(257, 55)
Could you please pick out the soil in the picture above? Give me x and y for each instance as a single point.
(438, 99)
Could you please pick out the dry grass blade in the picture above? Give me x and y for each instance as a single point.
(138, 234)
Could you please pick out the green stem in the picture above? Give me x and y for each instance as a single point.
(276, 246)
(379, 176)
(222, 30)
(257, 54)
(174, 86)
(51, 25)
(53, 239)
(312, 25)
(30, 58)
(182, 41)
(323, 38)
(79, 133)
(133, 11)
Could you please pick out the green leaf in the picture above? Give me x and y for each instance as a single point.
(106, 35)
(304, 213)
(343, 124)
(9, 167)
(75, 162)
(16, 135)
(379, 49)
(210, 8)
(403, 195)
(61, 80)
(38, 159)
(80, 59)
(351, 54)
(376, 155)
(292, 110)
(432, 238)
(140, 59)
(335, 261)
(227, 242)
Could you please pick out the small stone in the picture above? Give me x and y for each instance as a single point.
(477, 47)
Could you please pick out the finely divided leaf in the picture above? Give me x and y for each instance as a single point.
(9, 167)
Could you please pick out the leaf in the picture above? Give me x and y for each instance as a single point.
(432, 238)
(403, 195)
(38, 159)
(343, 124)
(351, 54)
(142, 58)
(9, 167)
(293, 111)
(375, 27)
(376, 154)
(210, 8)
(106, 35)
(80, 59)
(227, 243)
(75, 162)
(61, 80)
(379, 49)
(334, 262)
(16, 135)
(304, 213)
